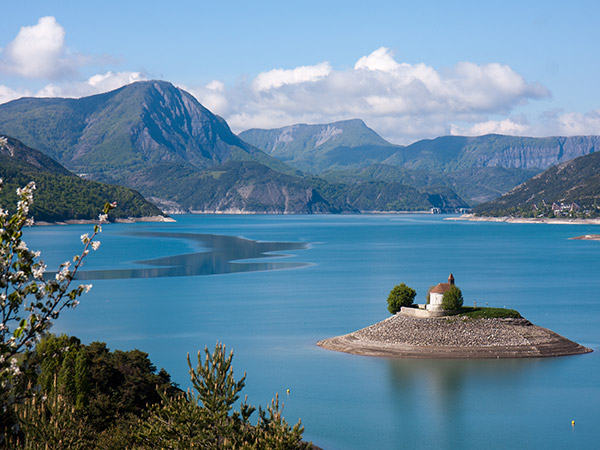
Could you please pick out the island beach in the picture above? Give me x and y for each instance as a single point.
(453, 337)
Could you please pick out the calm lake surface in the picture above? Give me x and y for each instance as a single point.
(169, 289)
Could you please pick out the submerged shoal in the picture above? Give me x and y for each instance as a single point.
(454, 337)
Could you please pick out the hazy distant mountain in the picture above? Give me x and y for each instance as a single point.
(315, 148)
(576, 181)
(351, 144)
(450, 153)
(61, 195)
(476, 185)
(478, 168)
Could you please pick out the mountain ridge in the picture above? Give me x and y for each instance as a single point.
(60, 194)
(479, 168)
(570, 189)
(144, 122)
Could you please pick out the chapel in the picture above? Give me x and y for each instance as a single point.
(437, 294)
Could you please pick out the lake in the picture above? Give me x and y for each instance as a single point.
(170, 288)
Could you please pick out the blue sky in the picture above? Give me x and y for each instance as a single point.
(409, 70)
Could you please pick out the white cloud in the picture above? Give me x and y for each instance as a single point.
(94, 85)
(551, 123)
(212, 96)
(381, 59)
(279, 77)
(7, 94)
(401, 101)
(109, 80)
(507, 126)
(574, 123)
(39, 51)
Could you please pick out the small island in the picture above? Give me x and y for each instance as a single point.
(431, 331)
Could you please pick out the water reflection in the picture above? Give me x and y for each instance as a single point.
(220, 255)
(441, 394)
(443, 380)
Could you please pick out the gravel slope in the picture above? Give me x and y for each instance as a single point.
(401, 336)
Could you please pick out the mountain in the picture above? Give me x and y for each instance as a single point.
(479, 168)
(61, 195)
(315, 148)
(112, 134)
(476, 185)
(351, 144)
(233, 187)
(451, 153)
(575, 181)
(157, 139)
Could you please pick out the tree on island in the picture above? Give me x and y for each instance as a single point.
(400, 296)
(452, 299)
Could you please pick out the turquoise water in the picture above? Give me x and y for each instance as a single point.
(333, 280)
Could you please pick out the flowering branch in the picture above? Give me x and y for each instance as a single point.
(29, 302)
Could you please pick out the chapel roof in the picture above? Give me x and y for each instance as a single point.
(441, 288)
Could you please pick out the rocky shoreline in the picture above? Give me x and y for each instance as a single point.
(119, 220)
(453, 337)
(508, 219)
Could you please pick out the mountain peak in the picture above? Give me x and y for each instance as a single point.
(304, 144)
(120, 131)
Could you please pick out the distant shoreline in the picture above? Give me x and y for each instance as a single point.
(508, 219)
(42, 223)
(453, 337)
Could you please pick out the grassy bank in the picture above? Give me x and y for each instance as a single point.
(488, 313)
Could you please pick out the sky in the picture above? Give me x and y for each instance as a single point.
(410, 70)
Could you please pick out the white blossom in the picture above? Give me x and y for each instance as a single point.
(96, 245)
(39, 271)
(85, 238)
(64, 271)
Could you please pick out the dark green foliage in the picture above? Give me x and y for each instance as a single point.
(401, 295)
(51, 422)
(217, 392)
(203, 418)
(129, 406)
(575, 181)
(488, 313)
(107, 385)
(452, 299)
(61, 195)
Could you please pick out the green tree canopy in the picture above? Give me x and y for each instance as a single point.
(452, 299)
(400, 296)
